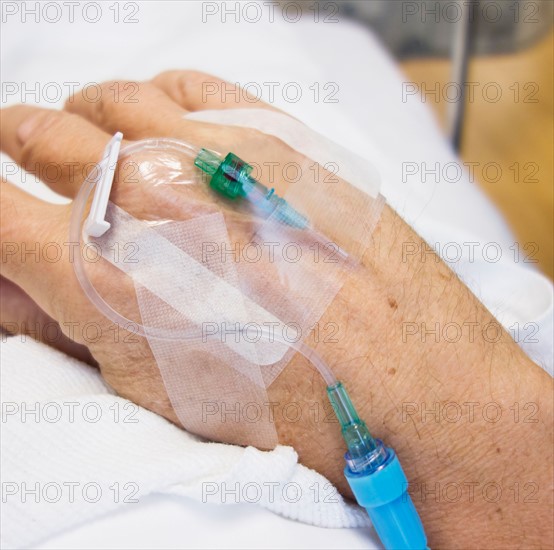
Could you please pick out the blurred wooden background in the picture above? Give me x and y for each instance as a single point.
(516, 132)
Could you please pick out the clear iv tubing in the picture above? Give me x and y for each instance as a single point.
(76, 236)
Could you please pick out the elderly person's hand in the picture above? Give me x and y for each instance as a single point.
(385, 370)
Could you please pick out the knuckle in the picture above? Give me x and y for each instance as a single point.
(185, 85)
(36, 148)
(49, 152)
(117, 104)
(188, 77)
(101, 101)
(196, 78)
(107, 101)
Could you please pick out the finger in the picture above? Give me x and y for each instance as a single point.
(20, 315)
(144, 110)
(149, 113)
(58, 147)
(32, 256)
(197, 91)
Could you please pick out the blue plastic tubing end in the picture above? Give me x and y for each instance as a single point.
(384, 494)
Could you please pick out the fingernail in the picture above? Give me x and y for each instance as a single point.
(32, 126)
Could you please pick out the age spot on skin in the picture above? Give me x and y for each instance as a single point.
(392, 303)
(392, 372)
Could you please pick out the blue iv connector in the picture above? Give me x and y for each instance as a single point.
(377, 480)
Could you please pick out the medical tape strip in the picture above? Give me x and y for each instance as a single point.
(179, 288)
(183, 282)
(207, 379)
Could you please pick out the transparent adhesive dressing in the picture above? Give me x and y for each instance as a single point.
(252, 305)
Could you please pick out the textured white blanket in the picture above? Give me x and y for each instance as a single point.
(72, 451)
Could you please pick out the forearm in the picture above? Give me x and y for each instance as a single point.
(458, 456)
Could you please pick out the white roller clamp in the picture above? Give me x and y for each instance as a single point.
(96, 224)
